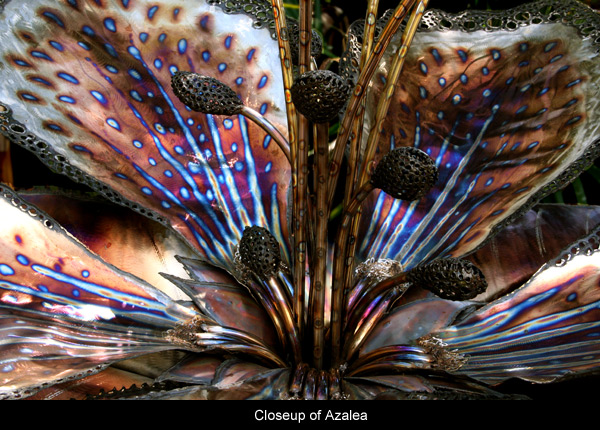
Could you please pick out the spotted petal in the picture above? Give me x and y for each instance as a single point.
(65, 313)
(132, 242)
(505, 103)
(90, 94)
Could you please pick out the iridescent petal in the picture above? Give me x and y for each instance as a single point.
(508, 260)
(417, 314)
(133, 243)
(508, 112)
(230, 305)
(270, 385)
(106, 380)
(64, 312)
(92, 81)
(511, 257)
(194, 369)
(545, 330)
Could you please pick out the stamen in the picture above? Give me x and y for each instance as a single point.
(205, 94)
(449, 278)
(405, 173)
(260, 253)
(320, 95)
(210, 96)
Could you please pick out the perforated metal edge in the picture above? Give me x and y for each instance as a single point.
(568, 12)
(260, 10)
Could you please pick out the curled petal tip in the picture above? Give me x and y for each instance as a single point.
(450, 278)
(205, 94)
(405, 173)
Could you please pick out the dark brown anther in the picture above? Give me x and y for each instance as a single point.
(319, 95)
(405, 173)
(316, 43)
(449, 278)
(205, 94)
(259, 252)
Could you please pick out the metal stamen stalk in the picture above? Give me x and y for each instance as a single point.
(338, 285)
(386, 353)
(360, 307)
(268, 127)
(302, 236)
(318, 284)
(254, 350)
(203, 333)
(360, 90)
(382, 110)
(389, 362)
(390, 86)
(319, 95)
(356, 135)
(208, 95)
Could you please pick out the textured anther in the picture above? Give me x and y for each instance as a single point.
(405, 173)
(449, 278)
(319, 95)
(259, 252)
(205, 94)
(316, 44)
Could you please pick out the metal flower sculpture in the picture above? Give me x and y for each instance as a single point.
(223, 275)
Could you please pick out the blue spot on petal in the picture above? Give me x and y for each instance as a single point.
(263, 82)
(57, 45)
(113, 123)
(110, 25)
(99, 96)
(6, 270)
(23, 260)
(182, 46)
(152, 11)
(68, 78)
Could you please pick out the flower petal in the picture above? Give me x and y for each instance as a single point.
(511, 257)
(508, 112)
(132, 242)
(63, 311)
(545, 330)
(104, 381)
(91, 95)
